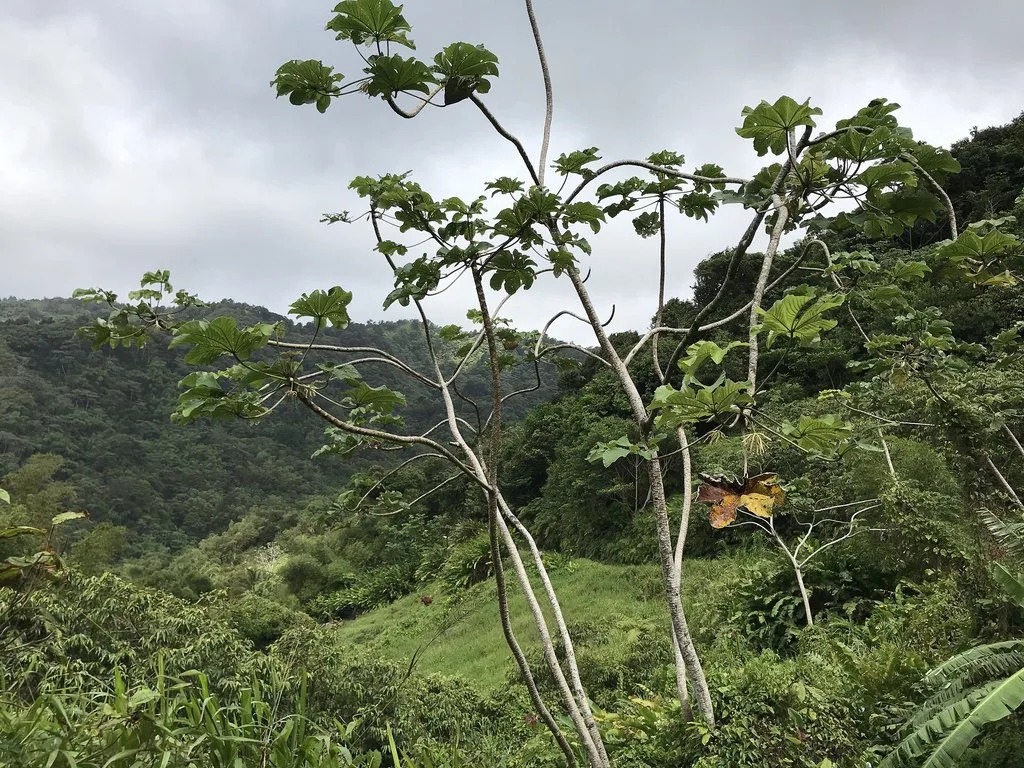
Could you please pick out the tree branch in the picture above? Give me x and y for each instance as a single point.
(549, 100)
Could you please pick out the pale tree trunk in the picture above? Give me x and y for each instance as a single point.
(574, 697)
(694, 669)
(682, 691)
(800, 584)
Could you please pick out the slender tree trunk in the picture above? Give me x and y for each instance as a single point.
(799, 581)
(695, 671)
(563, 629)
(1005, 483)
(682, 691)
(782, 215)
(1013, 438)
(510, 639)
(574, 698)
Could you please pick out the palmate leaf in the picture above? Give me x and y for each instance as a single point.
(971, 247)
(946, 736)
(647, 224)
(894, 174)
(221, 336)
(798, 316)
(908, 204)
(938, 162)
(610, 452)
(697, 205)
(823, 436)
(465, 69)
(365, 21)
(699, 353)
(877, 113)
(576, 162)
(505, 185)
(583, 213)
(512, 270)
(908, 271)
(307, 82)
(759, 495)
(203, 397)
(330, 306)
(379, 399)
(769, 124)
(861, 147)
(692, 404)
(390, 75)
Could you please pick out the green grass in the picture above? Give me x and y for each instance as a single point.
(466, 638)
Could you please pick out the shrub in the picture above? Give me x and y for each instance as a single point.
(261, 620)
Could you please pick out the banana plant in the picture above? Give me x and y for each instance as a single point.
(972, 690)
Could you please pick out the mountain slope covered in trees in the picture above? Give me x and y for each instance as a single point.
(108, 415)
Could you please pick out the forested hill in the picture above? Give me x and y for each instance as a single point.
(107, 414)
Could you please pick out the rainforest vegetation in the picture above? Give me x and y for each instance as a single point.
(783, 524)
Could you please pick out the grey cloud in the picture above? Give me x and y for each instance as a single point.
(143, 135)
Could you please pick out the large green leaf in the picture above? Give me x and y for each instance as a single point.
(307, 82)
(366, 21)
(65, 517)
(203, 397)
(584, 213)
(221, 336)
(465, 69)
(511, 270)
(390, 75)
(701, 352)
(610, 452)
(769, 124)
(824, 435)
(894, 174)
(938, 162)
(908, 271)
(1010, 535)
(798, 316)
(945, 737)
(21, 530)
(878, 113)
(861, 146)
(576, 162)
(698, 403)
(330, 306)
(958, 674)
(379, 399)
(971, 247)
(1012, 584)
(5, 496)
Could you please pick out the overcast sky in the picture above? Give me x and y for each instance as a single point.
(136, 135)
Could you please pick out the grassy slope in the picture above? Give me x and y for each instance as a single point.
(472, 645)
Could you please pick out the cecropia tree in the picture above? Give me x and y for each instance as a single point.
(866, 174)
